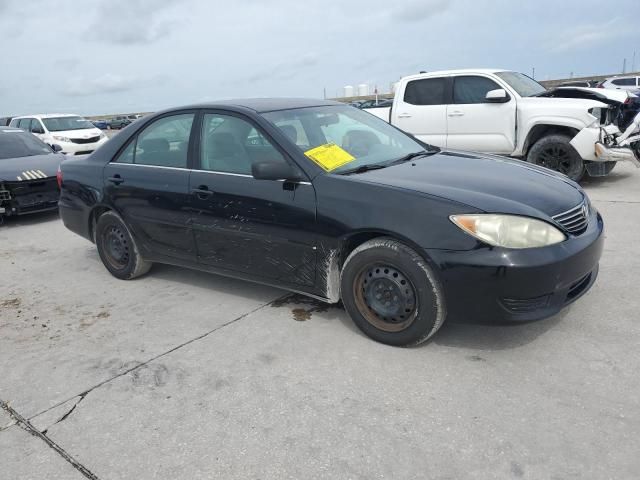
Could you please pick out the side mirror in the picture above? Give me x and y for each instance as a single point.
(274, 170)
(38, 130)
(498, 95)
(56, 148)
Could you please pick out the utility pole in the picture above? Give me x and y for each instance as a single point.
(324, 90)
(624, 66)
(533, 72)
(633, 62)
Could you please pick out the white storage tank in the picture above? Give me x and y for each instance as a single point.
(363, 90)
(348, 91)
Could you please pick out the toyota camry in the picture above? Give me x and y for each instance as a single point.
(327, 200)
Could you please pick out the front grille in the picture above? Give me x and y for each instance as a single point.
(525, 305)
(575, 220)
(5, 195)
(84, 152)
(85, 140)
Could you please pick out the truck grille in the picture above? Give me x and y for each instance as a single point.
(85, 140)
(575, 220)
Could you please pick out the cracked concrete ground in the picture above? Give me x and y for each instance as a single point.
(182, 374)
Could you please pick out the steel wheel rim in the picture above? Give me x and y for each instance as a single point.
(385, 297)
(556, 157)
(116, 247)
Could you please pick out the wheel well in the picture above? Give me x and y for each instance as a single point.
(540, 131)
(354, 241)
(93, 219)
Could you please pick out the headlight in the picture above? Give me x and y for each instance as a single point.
(509, 231)
(61, 139)
(103, 135)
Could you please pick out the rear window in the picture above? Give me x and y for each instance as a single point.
(16, 144)
(426, 91)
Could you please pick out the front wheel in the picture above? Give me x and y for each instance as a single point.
(117, 248)
(556, 153)
(391, 293)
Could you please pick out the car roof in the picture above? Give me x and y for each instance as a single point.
(48, 115)
(262, 105)
(456, 72)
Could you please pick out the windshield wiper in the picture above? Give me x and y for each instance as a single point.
(364, 168)
(412, 155)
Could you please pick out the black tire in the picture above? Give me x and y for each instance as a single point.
(117, 248)
(556, 153)
(391, 293)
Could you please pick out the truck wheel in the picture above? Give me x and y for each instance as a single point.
(117, 248)
(556, 153)
(391, 293)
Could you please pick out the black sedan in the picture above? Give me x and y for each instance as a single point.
(327, 200)
(28, 169)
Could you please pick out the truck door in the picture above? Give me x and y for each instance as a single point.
(474, 123)
(421, 110)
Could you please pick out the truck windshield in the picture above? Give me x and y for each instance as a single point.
(60, 124)
(343, 139)
(16, 144)
(525, 86)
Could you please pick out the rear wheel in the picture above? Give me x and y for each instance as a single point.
(556, 153)
(391, 293)
(117, 248)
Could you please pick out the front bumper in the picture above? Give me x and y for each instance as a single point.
(70, 148)
(19, 198)
(497, 284)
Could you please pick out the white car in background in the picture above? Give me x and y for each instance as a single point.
(621, 83)
(74, 134)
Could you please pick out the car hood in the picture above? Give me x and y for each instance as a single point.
(29, 168)
(84, 133)
(608, 96)
(489, 183)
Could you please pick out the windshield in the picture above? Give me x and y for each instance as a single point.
(343, 138)
(59, 124)
(523, 85)
(16, 143)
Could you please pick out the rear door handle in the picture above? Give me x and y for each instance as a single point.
(117, 179)
(404, 115)
(202, 192)
(456, 113)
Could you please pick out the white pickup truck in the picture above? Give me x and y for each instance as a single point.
(570, 130)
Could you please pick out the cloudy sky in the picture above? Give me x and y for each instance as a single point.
(142, 55)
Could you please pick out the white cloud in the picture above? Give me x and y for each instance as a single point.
(586, 36)
(416, 11)
(128, 22)
(80, 86)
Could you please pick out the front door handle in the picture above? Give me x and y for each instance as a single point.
(404, 115)
(116, 179)
(456, 113)
(202, 192)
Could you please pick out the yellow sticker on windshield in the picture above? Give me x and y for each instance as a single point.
(329, 156)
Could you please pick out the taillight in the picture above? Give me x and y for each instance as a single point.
(59, 177)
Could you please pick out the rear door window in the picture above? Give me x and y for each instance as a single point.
(25, 124)
(426, 91)
(164, 143)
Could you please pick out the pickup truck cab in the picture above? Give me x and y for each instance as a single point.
(506, 113)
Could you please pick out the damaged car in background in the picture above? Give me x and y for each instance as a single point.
(571, 130)
(327, 200)
(614, 134)
(28, 173)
